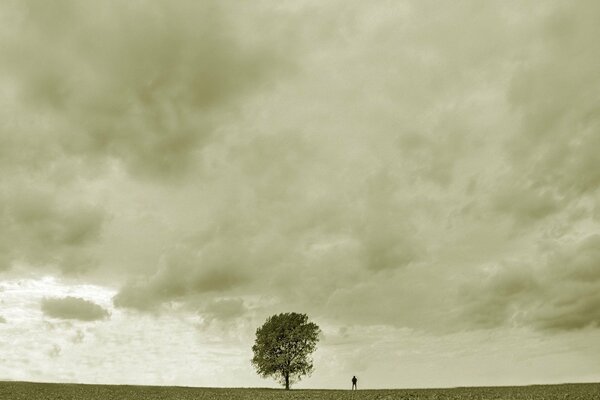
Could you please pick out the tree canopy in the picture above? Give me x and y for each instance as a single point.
(283, 347)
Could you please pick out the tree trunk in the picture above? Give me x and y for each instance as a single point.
(287, 381)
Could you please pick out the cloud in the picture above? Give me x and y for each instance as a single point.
(559, 294)
(2, 320)
(549, 186)
(55, 351)
(78, 338)
(226, 310)
(184, 272)
(334, 158)
(142, 84)
(43, 228)
(377, 166)
(553, 157)
(572, 287)
(73, 308)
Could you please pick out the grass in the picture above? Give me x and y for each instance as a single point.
(57, 391)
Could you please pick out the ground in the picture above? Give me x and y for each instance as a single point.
(51, 391)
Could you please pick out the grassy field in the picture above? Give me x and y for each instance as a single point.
(48, 391)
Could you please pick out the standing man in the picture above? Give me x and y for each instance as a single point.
(354, 380)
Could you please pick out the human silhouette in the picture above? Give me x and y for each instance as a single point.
(354, 380)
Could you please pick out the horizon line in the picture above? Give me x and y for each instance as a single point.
(281, 388)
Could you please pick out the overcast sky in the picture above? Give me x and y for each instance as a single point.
(420, 178)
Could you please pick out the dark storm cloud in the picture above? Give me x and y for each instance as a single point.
(142, 82)
(43, 228)
(552, 184)
(554, 153)
(560, 293)
(260, 235)
(358, 160)
(339, 182)
(86, 85)
(74, 308)
(185, 272)
(572, 288)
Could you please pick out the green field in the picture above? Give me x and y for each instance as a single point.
(48, 391)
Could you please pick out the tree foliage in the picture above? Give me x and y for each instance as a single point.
(283, 346)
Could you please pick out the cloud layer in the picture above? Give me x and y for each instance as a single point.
(192, 160)
(73, 308)
(558, 294)
(142, 84)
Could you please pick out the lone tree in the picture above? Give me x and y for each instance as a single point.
(283, 345)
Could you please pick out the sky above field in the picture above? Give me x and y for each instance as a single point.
(421, 178)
